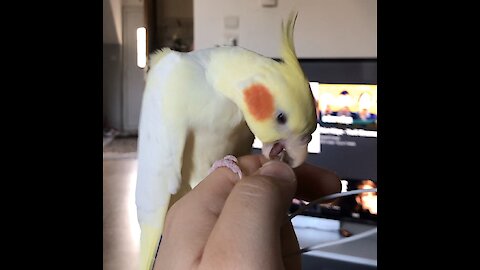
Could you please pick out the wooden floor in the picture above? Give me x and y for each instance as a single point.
(121, 232)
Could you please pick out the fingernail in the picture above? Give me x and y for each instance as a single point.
(279, 170)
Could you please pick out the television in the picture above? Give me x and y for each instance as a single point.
(345, 141)
(345, 91)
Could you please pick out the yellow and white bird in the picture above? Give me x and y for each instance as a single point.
(203, 105)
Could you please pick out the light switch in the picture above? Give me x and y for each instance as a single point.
(231, 22)
(269, 3)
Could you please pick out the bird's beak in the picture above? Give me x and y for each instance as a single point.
(292, 150)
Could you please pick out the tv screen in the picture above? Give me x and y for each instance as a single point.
(347, 128)
(345, 141)
(347, 124)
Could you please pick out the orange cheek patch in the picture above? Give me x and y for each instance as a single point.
(259, 101)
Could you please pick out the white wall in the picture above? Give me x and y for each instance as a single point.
(324, 28)
(132, 2)
(112, 21)
(112, 86)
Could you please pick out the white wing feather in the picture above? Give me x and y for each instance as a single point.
(181, 111)
(160, 145)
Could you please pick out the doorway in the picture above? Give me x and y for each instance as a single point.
(133, 75)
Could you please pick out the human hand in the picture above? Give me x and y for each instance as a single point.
(226, 223)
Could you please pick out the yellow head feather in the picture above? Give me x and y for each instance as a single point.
(298, 84)
(288, 47)
(263, 88)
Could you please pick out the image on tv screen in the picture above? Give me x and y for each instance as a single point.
(346, 105)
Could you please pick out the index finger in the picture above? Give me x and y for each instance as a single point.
(313, 181)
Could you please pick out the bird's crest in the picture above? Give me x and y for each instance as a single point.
(288, 54)
(293, 73)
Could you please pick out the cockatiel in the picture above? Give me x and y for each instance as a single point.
(203, 105)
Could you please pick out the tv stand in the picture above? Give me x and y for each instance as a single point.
(358, 254)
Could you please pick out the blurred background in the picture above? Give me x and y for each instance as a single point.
(336, 43)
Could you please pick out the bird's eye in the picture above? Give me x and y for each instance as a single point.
(281, 118)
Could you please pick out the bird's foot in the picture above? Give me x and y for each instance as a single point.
(228, 161)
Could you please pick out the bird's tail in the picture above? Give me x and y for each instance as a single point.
(150, 239)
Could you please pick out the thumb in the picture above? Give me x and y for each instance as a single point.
(253, 216)
(283, 185)
(264, 196)
(269, 191)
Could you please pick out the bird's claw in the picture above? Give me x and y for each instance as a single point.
(228, 161)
